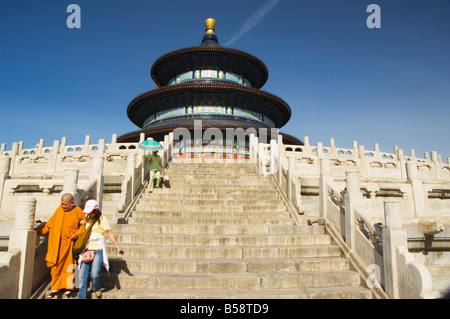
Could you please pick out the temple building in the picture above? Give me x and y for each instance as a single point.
(212, 85)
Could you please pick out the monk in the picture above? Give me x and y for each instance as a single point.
(63, 228)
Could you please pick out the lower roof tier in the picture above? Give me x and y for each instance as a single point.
(155, 101)
(159, 129)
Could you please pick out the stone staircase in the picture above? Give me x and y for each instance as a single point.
(438, 263)
(222, 231)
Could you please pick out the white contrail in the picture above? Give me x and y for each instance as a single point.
(253, 20)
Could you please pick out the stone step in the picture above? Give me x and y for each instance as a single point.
(221, 182)
(439, 270)
(214, 190)
(206, 205)
(204, 171)
(181, 176)
(213, 177)
(441, 278)
(205, 229)
(223, 203)
(343, 278)
(210, 208)
(211, 221)
(217, 196)
(215, 170)
(206, 214)
(441, 283)
(217, 230)
(223, 240)
(350, 292)
(223, 165)
(214, 174)
(201, 173)
(232, 167)
(230, 186)
(186, 266)
(212, 252)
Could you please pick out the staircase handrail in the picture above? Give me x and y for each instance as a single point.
(261, 156)
(132, 186)
(123, 217)
(291, 208)
(364, 221)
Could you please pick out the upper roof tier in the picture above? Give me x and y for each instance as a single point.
(209, 55)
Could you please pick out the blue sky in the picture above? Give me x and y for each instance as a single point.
(341, 79)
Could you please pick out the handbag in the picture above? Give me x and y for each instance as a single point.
(88, 256)
(81, 242)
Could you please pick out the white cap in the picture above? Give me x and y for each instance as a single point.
(90, 206)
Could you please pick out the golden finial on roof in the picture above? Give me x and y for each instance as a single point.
(210, 25)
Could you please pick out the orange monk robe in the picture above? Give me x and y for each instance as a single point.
(60, 227)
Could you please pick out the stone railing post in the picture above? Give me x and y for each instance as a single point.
(13, 154)
(392, 236)
(141, 137)
(437, 164)
(319, 148)
(71, 184)
(165, 151)
(281, 151)
(97, 171)
(274, 157)
(364, 163)
(53, 158)
(62, 146)
(5, 164)
(87, 141)
(101, 146)
(290, 177)
(325, 175)
(23, 237)
(170, 148)
(294, 185)
(131, 164)
(353, 198)
(39, 146)
(402, 161)
(264, 159)
(417, 188)
(252, 148)
(113, 145)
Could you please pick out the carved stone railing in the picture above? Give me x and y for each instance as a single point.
(132, 184)
(359, 192)
(40, 172)
(370, 163)
(404, 276)
(18, 263)
(267, 163)
(44, 162)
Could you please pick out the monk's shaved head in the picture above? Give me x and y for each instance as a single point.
(67, 197)
(67, 202)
